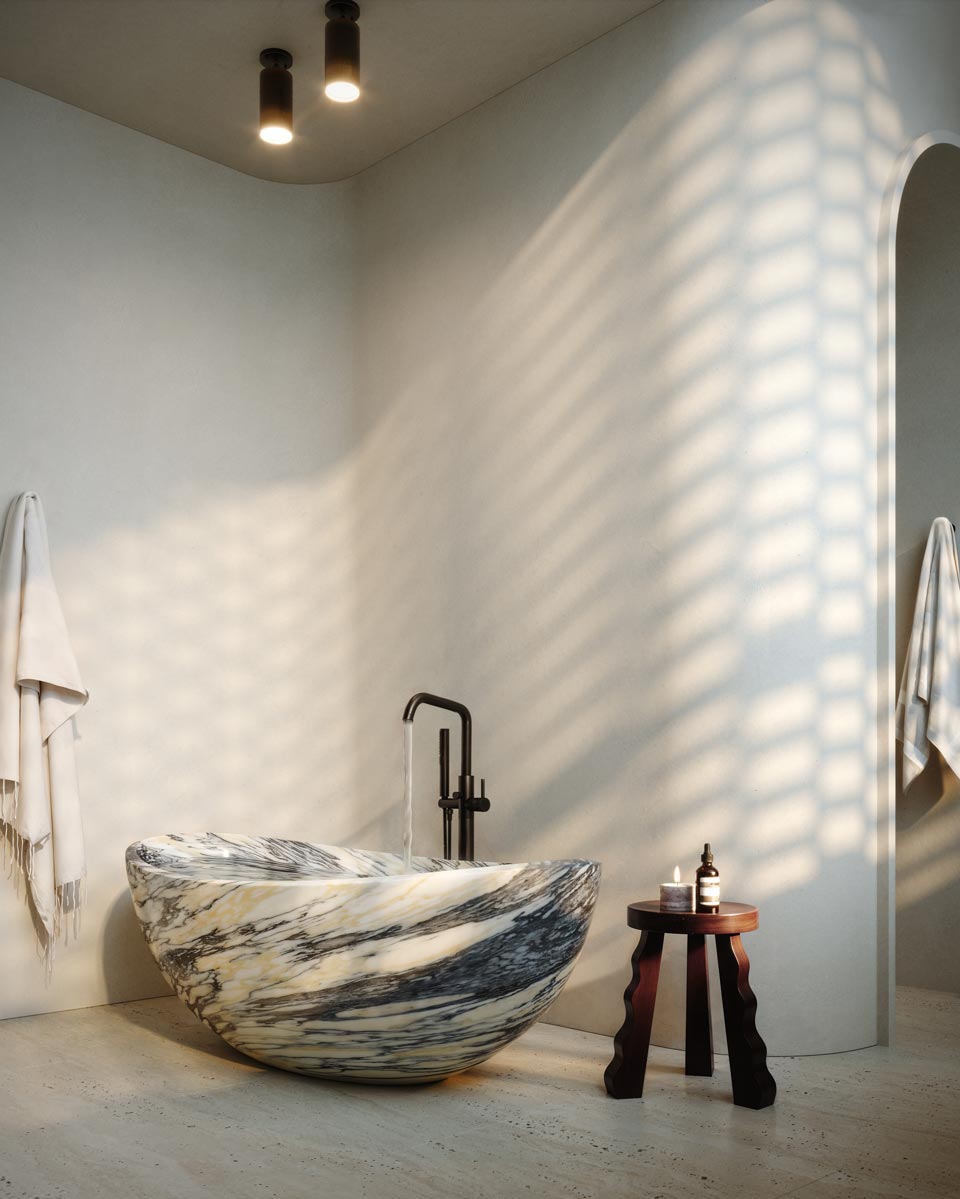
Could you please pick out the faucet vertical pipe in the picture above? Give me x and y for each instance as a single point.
(465, 823)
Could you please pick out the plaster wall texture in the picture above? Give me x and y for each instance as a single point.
(568, 410)
(176, 386)
(617, 475)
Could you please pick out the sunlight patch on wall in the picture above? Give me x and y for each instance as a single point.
(655, 548)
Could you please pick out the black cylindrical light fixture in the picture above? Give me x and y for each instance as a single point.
(342, 46)
(276, 97)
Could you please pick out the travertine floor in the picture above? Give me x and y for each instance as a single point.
(140, 1101)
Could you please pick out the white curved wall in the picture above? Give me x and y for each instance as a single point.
(600, 459)
(618, 483)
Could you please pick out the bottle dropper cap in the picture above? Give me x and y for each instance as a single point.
(707, 855)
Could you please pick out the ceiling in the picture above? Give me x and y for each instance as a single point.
(186, 71)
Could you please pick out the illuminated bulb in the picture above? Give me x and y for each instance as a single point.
(342, 91)
(276, 135)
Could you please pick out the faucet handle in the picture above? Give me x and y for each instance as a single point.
(480, 802)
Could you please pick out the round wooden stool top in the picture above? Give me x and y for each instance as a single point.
(731, 918)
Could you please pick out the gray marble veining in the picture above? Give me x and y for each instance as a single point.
(335, 962)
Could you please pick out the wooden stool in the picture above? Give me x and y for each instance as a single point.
(753, 1084)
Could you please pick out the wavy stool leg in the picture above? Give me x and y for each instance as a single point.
(699, 1039)
(753, 1084)
(624, 1075)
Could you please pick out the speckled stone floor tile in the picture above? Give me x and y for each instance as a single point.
(140, 1101)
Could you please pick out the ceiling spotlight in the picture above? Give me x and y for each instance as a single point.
(276, 97)
(342, 58)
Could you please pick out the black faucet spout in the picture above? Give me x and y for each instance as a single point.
(451, 705)
(464, 800)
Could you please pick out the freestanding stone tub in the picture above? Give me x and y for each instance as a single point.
(334, 962)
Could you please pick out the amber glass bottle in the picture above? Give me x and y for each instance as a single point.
(708, 883)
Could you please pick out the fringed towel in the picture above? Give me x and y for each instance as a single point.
(40, 691)
(928, 709)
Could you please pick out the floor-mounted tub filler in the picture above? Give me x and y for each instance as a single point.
(337, 963)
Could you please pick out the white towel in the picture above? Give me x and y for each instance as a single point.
(928, 709)
(40, 690)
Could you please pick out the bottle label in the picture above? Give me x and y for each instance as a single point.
(710, 891)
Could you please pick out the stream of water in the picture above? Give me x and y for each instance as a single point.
(407, 794)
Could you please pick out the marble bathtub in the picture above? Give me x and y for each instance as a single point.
(336, 963)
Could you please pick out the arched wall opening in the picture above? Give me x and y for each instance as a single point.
(919, 886)
(928, 476)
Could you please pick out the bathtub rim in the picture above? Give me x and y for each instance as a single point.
(343, 877)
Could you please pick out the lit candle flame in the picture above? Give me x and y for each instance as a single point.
(676, 874)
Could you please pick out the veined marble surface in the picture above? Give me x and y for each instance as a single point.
(334, 962)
